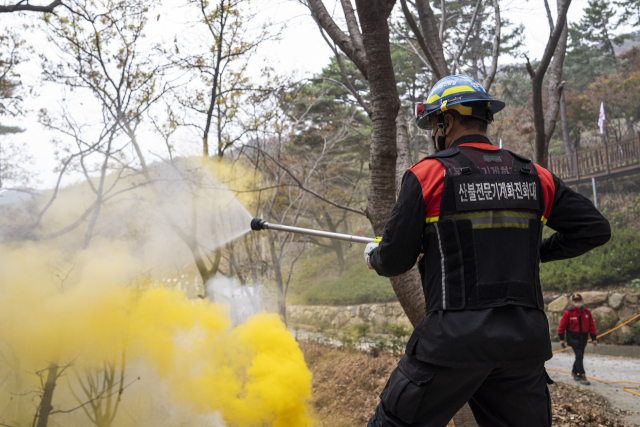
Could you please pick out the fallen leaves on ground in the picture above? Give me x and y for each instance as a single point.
(576, 407)
(346, 386)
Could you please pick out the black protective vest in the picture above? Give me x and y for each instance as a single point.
(483, 251)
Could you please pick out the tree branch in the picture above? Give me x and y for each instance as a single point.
(542, 67)
(19, 7)
(352, 25)
(463, 45)
(302, 187)
(423, 44)
(488, 81)
(325, 21)
(546, 6)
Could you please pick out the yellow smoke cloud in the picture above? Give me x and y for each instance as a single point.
(253, 374)
(186, 364)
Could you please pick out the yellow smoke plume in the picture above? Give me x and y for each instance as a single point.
(253, 374)
(183, 361)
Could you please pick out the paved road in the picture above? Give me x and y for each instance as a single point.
(608, 368)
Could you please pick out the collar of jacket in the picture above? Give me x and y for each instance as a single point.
(470, 138)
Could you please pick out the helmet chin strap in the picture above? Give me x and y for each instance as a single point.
(441, 138)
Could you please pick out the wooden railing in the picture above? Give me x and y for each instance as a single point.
(613, 159)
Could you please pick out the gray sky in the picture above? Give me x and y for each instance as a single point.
(301, 51)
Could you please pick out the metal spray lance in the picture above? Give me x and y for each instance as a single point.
(258, 224)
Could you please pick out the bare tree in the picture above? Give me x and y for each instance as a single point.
(435, 33)
(217, 70)
(541, 153)
(102, 389)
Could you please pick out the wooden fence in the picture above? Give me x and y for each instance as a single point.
(614, 159)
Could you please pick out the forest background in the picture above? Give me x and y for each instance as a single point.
(117, 92)
(151, 130)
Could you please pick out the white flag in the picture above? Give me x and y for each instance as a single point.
(500, 142)
(601, 118)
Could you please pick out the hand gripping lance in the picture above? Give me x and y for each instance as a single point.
(258, 224)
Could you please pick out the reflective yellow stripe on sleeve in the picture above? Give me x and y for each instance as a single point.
(431, 219)
(543, 219)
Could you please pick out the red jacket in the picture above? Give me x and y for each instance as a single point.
(571, 321)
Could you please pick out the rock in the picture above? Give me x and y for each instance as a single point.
(605, 319)
(404, 320)
(616, 301)
(623, 334)
(353, 311)
(549, 298)
(593, 299)
(627, 312)
(397, 309)
(554, 322)
(559, 304)
(355, 321)
(632, 298)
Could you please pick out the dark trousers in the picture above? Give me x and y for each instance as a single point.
(426, 395)
(578, 342)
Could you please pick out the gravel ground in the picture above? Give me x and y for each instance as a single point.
(608, 368)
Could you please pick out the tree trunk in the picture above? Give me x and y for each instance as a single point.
(384, 109)
(47, 396)
(403, 161)
(555, 85)
(431, 35)
(409, 284)
(465, 418)
(336, 245)
(408, 288)
(282, 306)
(541, 155)
(565, 132)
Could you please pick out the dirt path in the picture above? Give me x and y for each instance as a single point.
(346, 386)
(608, 368)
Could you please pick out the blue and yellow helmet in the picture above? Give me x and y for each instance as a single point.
(460, 93)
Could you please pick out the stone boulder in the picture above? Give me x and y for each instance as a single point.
(559, 304)
(605, 318)
(632, 298)
(628, 311)
(593, 299)
(554, 322)
(616, 300)
(622, 335)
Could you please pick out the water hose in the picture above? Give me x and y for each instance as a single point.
(603, 334)
(606, 382)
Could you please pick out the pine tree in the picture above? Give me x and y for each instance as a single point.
(630, 12)
(591, 45)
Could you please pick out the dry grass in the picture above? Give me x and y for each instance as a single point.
(346, 386)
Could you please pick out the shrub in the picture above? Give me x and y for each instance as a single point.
(613, 263)
(357, 285)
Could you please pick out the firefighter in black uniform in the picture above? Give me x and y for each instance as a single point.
(477, 212)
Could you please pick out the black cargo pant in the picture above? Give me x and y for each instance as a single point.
(426, 395)
(578, 342)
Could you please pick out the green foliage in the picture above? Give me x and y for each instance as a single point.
(362, 330)
(5, 130)
(634, 285)
(357, 285)
(399, 336)
(615, 262)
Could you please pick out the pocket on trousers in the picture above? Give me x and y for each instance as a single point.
(406, 388)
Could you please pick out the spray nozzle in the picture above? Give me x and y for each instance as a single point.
(257, 224)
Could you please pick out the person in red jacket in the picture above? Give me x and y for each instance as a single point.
(578, 323)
